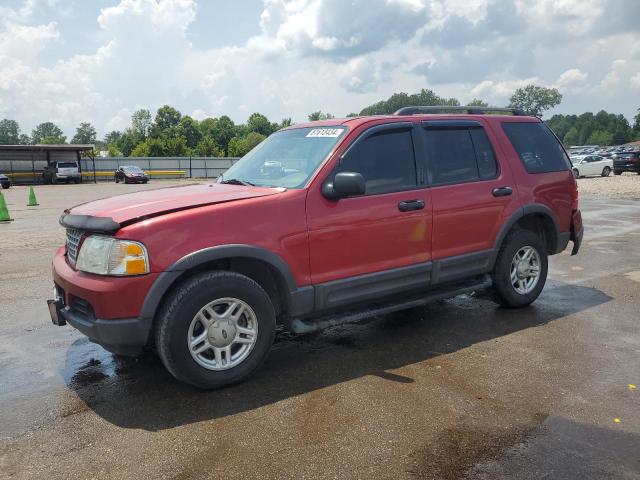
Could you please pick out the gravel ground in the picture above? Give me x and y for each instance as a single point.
(457, 389)
(626, 185)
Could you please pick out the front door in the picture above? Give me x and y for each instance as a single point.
(380, 232)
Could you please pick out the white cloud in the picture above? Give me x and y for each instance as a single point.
(572, 80)
(333, 55)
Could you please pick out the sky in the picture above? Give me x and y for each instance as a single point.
(70, 61)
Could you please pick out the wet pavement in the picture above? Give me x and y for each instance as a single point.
(456, 389)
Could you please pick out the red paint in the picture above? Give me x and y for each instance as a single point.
(320, 240)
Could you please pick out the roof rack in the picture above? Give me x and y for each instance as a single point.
(472, 110)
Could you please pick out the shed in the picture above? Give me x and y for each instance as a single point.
(25, 163)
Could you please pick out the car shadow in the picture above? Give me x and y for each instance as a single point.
(139, 393)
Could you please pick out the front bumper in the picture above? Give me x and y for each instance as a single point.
(106, 309)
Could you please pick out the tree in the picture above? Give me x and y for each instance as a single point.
(476, 102)
(208, 148)
(24, 139)
(600, 137)
(112, 150)
(167, 118)
(240, 146)
(127, 142)
(141, 122)
(188, 128)
(9, 132)
(49, 133)
(85, 134)
(534, 100)
(259, 123)
(399, 100)
(319, 115)
(286, 122)
(112, 137)
(223, 132)
(636, 124)
(352, 114)
(572, 137)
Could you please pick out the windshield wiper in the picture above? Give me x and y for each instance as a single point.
(235, 181)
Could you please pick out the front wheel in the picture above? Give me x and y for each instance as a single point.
(520, 271)
(215, 329)
(606, 171)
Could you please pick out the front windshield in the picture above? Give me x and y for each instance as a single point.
(132, 169)
(286, 159)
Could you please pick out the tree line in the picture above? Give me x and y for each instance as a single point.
(169, 133)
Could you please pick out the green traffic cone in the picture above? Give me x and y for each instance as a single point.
(4, 211)
(32, 198)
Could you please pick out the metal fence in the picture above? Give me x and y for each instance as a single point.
(24, 171)
(163, 167)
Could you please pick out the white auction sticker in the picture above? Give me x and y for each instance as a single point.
(325, 132)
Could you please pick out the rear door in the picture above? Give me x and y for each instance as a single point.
(472, 193)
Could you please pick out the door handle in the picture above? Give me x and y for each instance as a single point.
(409, 205)
(502, 191)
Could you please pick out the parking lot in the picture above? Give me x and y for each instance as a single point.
(457, 389)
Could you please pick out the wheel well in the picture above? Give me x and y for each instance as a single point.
(261, 272)
(542, 226)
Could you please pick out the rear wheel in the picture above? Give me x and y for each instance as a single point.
(606, 171)
(617, 172)
(215, 329)
(520, 271)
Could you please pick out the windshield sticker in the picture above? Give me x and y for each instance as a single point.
(325, 132)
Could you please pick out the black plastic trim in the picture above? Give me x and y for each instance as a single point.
(462, 266)
(167, 278)
(451, 124)
(125, 336)
(365, 287)
(90, 223)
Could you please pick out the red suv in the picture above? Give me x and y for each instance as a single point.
(321, 223)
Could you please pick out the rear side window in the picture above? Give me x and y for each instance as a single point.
(385, 160)
(538, 148)
(459, 155)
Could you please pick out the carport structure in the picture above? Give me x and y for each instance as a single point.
(24, 163)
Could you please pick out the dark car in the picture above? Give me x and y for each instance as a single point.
(4, 181)
(626, 162)
(131, 174)
(355, 218)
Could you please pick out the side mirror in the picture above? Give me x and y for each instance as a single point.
(345, 184)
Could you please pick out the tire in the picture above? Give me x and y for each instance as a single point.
(6, 187)
(606, 171)
(576, 173)
(617, 172)
(185, 305)
(504, 290)
(117, 180)
(76, 181)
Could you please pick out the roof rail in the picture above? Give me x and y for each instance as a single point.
(472, 110)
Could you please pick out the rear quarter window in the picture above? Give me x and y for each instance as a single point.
(537, 147)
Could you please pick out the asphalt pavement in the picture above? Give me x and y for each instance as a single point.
(457, 389)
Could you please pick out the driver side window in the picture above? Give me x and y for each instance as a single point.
(386, 161)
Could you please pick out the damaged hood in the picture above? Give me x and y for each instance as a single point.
(109, 214)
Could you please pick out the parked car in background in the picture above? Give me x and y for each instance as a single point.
(5, 182)
(356, 217)
(584, 165)
(131, 174)
(61, 172)
(626, 162)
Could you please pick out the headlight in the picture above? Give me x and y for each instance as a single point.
(110, 256)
